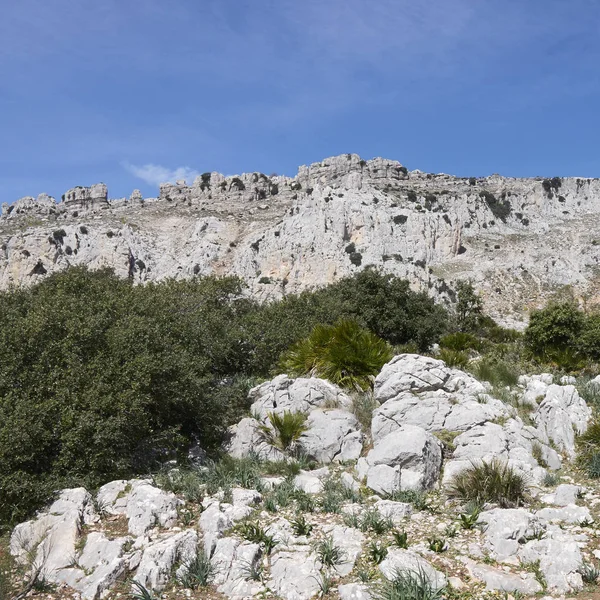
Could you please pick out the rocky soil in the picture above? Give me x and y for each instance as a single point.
(519, 240)
(334, 528)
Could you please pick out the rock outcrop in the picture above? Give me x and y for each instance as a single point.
(374, 508)
(519, 240)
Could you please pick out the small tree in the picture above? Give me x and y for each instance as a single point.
(469, 307)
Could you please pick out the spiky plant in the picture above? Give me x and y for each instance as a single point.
(437, 544)
(493, 481)
(301, 526)
(345, 354)
(377, 551)
(329, 554)
(284, 429)
(408, 585)
(198, 572)
(400, 539)
(589, 573)
(589, 450)
(140, 592)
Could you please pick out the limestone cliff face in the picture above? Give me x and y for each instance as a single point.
(518, 240)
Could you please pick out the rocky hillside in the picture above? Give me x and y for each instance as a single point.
(375, 506)
(519, 240)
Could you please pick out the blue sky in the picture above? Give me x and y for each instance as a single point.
(131, 92)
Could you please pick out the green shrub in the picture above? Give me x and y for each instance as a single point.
(494, 481)
(345, 354)
(554, 329)
(284, 430)
(469, 307)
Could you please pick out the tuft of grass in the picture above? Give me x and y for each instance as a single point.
(498, 372)
(301, 526)
(377, 551)
(400, 539)
(589, 572)
(419, 500)
(589, 450)
(326, 583)
(408, 585)
(493, 481)
(198, 571)
(335, 493)
(284, 430)
(345, 354)
(363, 405)
(253, 571)
(140, 592)
(365, 573)
(551, 479)
(457, 359)
(329, 554)
(351, 520)
(254, 532)
(372, 520)
(437, 544)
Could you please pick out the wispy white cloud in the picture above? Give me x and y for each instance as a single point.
(157, 174)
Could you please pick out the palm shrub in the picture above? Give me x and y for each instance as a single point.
(493, 481)
(284, 429)
(345, 353)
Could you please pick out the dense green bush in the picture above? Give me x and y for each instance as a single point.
(563, 334)
(553, 328)
(100, 379)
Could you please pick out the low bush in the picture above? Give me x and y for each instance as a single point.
(493, 481)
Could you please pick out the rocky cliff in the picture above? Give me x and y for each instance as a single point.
(519, 240)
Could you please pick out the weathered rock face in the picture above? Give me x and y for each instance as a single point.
(519, 240)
